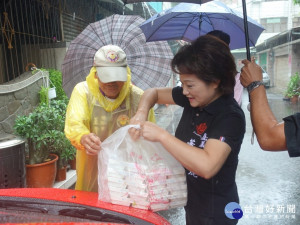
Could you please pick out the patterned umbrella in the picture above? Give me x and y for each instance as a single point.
(149, 61)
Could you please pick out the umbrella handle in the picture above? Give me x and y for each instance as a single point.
(246, 34)
(246, 30)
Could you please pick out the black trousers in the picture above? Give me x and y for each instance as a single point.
(210, 221)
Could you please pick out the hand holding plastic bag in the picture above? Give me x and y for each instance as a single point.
(140, 173)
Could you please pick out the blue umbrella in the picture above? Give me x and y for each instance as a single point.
(192, 1)
(187, 21)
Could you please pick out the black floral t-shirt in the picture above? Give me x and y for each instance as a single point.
(224, 120)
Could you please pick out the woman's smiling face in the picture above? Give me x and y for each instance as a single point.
(197, 91)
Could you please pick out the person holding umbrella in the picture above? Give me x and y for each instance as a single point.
(210, 132)
(271, 135)
(97, 107)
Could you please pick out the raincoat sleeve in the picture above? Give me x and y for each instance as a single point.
(77, 116)
(151, 116)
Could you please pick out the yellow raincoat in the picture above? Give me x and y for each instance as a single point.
(90, 112)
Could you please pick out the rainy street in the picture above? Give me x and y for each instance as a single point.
(268, 182)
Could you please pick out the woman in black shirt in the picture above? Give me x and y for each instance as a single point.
(211, 130)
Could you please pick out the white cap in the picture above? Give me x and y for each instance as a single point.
(111, 64)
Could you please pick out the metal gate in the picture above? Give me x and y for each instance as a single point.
(32, 30)
(28, 27)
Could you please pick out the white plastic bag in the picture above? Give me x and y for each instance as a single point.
(140, 173)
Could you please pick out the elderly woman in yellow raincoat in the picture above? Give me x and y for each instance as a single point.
(99, 106)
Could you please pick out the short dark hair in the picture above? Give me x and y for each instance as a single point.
(210, 60)
(220, 34)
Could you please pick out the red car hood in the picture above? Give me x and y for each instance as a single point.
(82, 198)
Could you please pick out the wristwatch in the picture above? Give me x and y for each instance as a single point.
(253, 85)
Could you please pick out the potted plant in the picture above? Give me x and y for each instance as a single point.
(44, 131)
(66, 153)
(62, 146)
(55, 77)
(39, 128)
(44, 95)
(72, 161)
(293, 88)
(69, 153)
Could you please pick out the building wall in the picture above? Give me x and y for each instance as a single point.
(282, 62)
(281, 72)
(19, 98)
(59, 57)
(53, 57)
(267, 9)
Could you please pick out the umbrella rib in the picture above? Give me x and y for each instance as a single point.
(135, 20)
(198, 15)
(171, 18)
(94, 29)
(236, 25)
(191, 21)
(208, 19)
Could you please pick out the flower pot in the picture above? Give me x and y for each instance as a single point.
(61, 174)
(294, 99)
(52, 93)
(42, 175)
(73, 164)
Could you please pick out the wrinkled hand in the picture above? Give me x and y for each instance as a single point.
(91, 143)
(250, 72)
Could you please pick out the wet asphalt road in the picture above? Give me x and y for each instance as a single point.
(268, 182)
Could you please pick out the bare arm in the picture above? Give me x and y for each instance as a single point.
(149, 98)
(152, 96)
(204, 162)
(269, 132)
